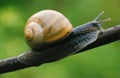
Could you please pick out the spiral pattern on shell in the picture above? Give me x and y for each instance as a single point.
(46, 27)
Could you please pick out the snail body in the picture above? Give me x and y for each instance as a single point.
(52, 37)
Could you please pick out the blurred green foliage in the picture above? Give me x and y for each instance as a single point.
(101, 62)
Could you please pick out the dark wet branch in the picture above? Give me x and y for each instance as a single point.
(107, 36)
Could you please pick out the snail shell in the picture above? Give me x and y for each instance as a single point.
(46, 27)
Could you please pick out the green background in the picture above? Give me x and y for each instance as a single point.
(101, 62)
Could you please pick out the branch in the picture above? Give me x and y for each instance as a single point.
(107, 36)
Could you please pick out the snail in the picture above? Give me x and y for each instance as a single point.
(52, 37)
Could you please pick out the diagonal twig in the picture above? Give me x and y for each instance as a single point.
(107, 36)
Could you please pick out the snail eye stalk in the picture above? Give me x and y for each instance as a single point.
(101, 21)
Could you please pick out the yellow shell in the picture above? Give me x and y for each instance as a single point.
(47, 26)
